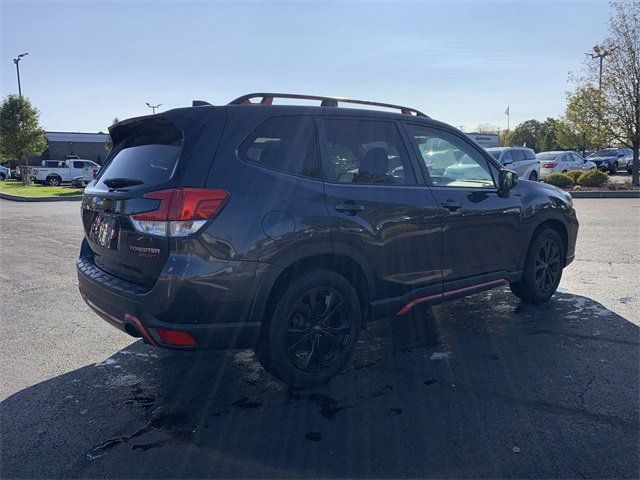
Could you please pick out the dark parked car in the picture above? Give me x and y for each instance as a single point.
(611, 159)
(288, 228)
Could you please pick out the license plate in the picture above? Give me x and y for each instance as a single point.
(104, 231)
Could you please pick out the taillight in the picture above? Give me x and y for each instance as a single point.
(549, 165)
(181, 212)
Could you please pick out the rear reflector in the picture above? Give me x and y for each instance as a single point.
(181, 212)
(177, 338)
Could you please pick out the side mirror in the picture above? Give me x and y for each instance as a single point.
(507, 179)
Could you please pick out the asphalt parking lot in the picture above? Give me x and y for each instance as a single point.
(481, 387)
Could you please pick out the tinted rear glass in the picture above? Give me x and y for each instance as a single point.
(148, 154)
(285, 144)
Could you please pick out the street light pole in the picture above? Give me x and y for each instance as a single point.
(153, 107)
(17, 62)
(600, 54)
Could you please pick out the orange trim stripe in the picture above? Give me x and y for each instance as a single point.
(416, 301)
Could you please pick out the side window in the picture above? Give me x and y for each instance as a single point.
(285, 144)
(529, 154)
(77, 164)
(365, 151)
(507, 157)
(518, 155)
(576, 158)
(451, 161)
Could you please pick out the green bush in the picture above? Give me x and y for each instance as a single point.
(561, 180)
(575, 174)
(593, 178)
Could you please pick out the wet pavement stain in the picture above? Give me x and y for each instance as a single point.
(245, 403)
(379, 393)
(493, 357)
(329, 407)
(394, 411)
(313, 436)
(165, 421)
(141, 399)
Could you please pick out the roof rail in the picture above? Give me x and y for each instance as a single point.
(267, 99)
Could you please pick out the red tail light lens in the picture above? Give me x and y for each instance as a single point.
(177, 338)
(549, 165)
(181, 212)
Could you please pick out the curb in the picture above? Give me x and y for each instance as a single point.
(606, 194)
(15, 198)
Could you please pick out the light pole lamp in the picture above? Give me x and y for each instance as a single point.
(153, 107)
(17, 62)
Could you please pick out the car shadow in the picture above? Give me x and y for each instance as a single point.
(484, 387)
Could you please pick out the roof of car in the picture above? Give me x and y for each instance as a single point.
(500, 149)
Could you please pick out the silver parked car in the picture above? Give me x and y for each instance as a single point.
(4, 173)
(562, 162)
(521, 160)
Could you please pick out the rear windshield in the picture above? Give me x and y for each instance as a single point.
(147, 155)
(495, 153)
(547, 156)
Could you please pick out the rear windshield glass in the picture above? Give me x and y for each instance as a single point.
(547, 156)
(495, 153)
(147, 155)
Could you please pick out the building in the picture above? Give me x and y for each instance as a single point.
(485, 140)
(90, 146)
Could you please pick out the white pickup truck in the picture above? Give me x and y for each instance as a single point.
(55, 172)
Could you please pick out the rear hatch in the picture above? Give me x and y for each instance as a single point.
(150, 157)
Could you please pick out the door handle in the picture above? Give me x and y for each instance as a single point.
(451, 205)
(349, 208)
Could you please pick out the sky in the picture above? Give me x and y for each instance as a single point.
(462, 62)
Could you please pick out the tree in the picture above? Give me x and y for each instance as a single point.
(109, 144)
(20, 133)
(526, 133)
(584, 117)
(618, 103)
(548, 142)
(621, 78)
(547, 136)
(567, 138)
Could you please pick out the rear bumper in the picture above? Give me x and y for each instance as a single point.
(136, 310)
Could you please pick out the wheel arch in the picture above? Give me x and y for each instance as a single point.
(276, 279)
(553, 223)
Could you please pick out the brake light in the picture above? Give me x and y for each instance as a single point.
(549, 165)
(181, 212)
(177, 338)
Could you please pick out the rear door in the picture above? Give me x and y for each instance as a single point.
(481, 229)
(378, 205)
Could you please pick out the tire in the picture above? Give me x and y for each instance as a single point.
(301, 345)
(3, 177)
(542, 269)
(533, 176)
(613, 168)
(53, 181)
(565, 171)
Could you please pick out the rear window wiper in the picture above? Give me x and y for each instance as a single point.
(122, 182)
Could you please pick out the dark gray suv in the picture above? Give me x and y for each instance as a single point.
(287, 228)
